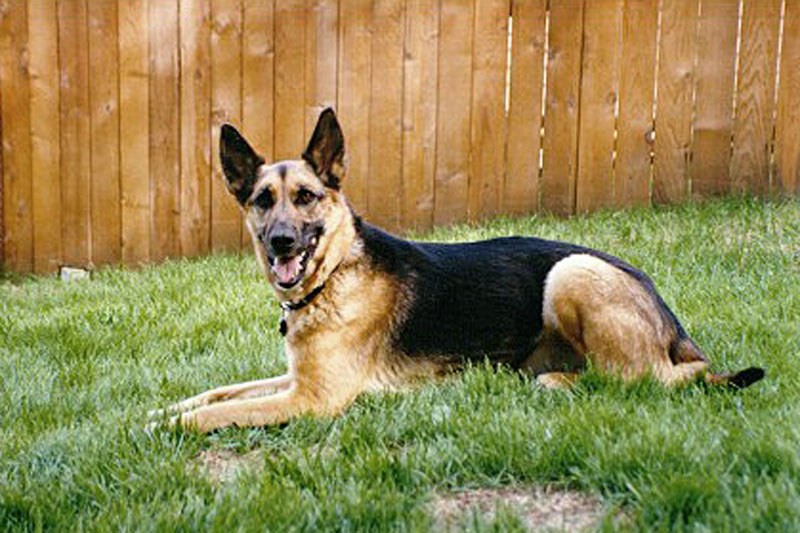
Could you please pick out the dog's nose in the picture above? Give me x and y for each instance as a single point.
(281, 241)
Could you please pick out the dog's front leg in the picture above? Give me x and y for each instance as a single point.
(238, 391)
(254, 412)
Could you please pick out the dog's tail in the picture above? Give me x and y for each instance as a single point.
(686, 351)
(736, 380)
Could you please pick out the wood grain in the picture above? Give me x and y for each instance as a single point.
(164, 131)
(195, 131)
(290, 28)
(384, 191)
(104, 101)
(75, 132)
(675, 80)
(16, 120)
(599, 93)
(560, 146)
(755, 100)
(713, 123)
(454, 112)
(134, 130)
(258, 72)
(258, 75)
(226, 106)
(45, 175)
(488, 124)
(420, 67)
(787, 149)
(355, 81)
(521, 190)
(635, 126)
(321, 60)
(110, 111)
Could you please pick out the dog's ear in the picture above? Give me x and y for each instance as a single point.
(239, 163)
(325, 151)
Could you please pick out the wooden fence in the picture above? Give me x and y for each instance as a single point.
(452, 110)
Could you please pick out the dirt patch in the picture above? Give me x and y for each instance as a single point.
(539, 508)
(223, 465)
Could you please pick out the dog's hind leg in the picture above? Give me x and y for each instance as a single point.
(238, 391)
(554, 361)
(619, 324)
(609, 317)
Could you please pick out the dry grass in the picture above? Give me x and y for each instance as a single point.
(538, 508)
(222, 466)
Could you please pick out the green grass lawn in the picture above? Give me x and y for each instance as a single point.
(82, 362)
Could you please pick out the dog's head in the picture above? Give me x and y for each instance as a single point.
(292, 207)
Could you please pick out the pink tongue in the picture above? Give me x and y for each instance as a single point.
(287, 270)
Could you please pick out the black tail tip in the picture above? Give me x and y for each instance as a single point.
(745, 378)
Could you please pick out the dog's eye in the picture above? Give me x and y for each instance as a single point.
(264, 200)
(305, 197)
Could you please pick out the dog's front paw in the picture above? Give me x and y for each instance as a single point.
(163, 423)
(157, 414)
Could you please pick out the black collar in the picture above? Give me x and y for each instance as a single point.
(302, 302)
(296, 306)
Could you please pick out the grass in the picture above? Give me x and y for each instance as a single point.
(82, 362)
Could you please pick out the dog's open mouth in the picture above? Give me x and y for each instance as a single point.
(289, 270)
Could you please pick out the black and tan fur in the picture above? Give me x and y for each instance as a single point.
(382, 313)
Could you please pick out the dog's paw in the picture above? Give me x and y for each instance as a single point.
(157, 414)
(162, 423)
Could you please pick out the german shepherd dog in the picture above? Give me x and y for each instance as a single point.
(364, 310)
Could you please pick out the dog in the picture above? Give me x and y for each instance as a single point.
(364, 310)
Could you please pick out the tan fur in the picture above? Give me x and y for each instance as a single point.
(557, 380)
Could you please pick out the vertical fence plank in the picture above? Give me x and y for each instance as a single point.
(258, 63)
(521, 190)
(17, 190)
(752, 130)
(103, 98)
(674, 105)
(385, 149)
(290, 22)
(195, 131)
(713, 123)
(164, 130)
(560, 145)
(454, 112)
(226, 79)
(420, 66)
(488, 128)
(75, 132)
(787, 149)
(134, 130)
(598, 100)
(321, 58)
(45, 176)
(636, 89)
(355, 76)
